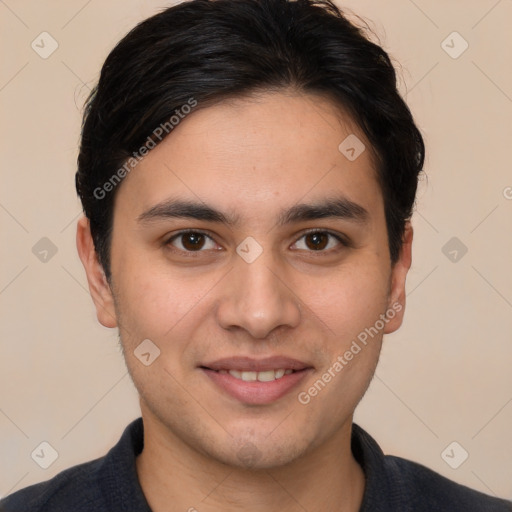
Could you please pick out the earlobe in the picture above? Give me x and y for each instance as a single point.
(99, 287)
(396, 303)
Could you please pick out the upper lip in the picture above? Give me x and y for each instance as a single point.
(249, 364)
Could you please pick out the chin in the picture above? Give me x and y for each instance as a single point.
(251, 457)
(259, 451)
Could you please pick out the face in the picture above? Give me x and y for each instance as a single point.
(253, 254)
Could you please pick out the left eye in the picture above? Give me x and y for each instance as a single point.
(192, 241)
(318, 241)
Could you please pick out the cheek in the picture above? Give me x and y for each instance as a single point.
(161, 305)
(349, 300)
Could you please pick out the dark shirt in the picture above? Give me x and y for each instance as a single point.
(110, 484)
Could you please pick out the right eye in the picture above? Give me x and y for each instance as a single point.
(191, 241)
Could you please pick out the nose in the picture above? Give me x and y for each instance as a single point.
(258, 299)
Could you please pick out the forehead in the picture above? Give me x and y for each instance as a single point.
(260, 150)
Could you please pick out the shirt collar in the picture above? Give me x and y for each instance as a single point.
(122, 491)
(118, 474)
(379, 489)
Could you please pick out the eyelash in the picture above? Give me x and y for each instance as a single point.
(342, 240)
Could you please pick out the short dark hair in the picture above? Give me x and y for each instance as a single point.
(212, 50)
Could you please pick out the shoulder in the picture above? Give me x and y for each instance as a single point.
(108, 483)
(393, 483)
(424, 489)
(75, 487)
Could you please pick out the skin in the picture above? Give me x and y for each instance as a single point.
(251, 158)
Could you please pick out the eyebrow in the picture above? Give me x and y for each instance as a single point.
(175, 208)
(340, 208)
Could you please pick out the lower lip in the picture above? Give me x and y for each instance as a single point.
(256, 392)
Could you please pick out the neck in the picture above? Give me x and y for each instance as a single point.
(171, 472)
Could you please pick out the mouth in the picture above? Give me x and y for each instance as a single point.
(263, 376)
(256, 382)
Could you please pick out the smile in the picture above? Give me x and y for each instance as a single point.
(263, 376)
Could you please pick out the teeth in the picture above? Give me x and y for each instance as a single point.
(265, 376)
(249, 376)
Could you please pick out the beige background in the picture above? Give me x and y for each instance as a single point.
(445, 376)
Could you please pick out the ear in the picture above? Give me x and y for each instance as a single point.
(99, 287)
(396, 302)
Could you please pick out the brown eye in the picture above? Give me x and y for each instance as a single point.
(317, 241)
(191, 241)
(320, 241)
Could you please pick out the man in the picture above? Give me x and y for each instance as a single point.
(248, 171)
